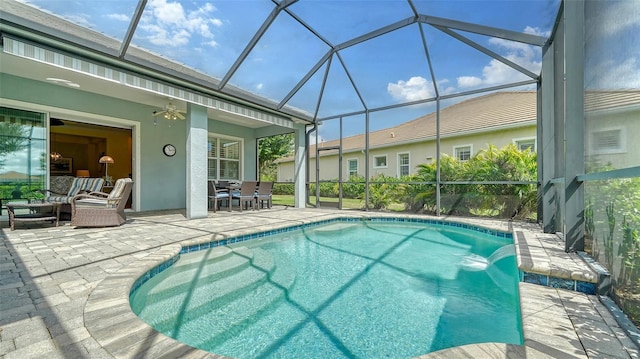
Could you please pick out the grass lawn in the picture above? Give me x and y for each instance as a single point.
(347, 203)
(287, 200)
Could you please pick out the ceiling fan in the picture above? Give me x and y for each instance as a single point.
(170, 112)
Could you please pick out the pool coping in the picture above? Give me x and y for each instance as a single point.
(110, 320)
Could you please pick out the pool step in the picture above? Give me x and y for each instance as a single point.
(163, 295)
(217, 264)
(229, 320)
(194, 259)
(254, 278)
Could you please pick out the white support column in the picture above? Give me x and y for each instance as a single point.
(300, 167)
(196, 161)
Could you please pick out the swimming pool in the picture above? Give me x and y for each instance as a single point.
(346, 289)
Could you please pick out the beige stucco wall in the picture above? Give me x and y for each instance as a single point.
(419, 153)
(627, 121)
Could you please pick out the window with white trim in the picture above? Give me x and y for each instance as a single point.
(463, 153)
(524, 144)
(380, 161)
(607, 141)
(353, 167)
(224, 158)
(403, 164)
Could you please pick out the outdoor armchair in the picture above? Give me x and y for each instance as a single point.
(99, 209)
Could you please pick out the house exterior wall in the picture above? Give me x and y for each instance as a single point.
(160, 180)
(419, 153)
(624, 125)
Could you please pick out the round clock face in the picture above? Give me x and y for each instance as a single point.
(169, 150)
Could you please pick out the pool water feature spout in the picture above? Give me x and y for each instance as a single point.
(474, 262)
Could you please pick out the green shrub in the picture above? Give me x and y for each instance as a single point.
(491, 164)
(385, 190)
(327, 189)
(283, 189)
(354, 188)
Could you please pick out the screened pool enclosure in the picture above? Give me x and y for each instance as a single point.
(340, 71)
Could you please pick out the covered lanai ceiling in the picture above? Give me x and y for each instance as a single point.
(310, 59)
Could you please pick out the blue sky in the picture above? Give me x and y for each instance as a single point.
(209, 35)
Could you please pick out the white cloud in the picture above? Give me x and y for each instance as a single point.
(619, 75)
(169, 24)
(621, 15)
(496, 72)
(536, 31)
(216, 22)
(119, 17)
(469, 81)
(259, 86)
(416, 88)
(168, 13)
(212, 43)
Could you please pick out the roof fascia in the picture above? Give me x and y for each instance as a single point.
(35, 31)
(484, 30)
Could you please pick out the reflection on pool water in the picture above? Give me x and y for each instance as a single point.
(342, 290)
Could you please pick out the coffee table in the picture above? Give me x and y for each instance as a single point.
(38, 211)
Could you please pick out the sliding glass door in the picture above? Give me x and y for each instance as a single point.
(23, 153)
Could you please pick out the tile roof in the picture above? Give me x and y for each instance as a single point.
(601, 100)
(479, 114)
(482, 113)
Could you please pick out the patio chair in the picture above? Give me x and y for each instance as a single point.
(264, 194)
(217, 195)
(224, 185)
(99, 209)
(246, 194)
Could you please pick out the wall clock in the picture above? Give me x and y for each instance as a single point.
(169, 150)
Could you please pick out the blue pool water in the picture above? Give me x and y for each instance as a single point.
(342, 290)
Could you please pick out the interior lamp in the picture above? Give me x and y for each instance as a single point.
(106, 160)
(83, 173)
(55, 156)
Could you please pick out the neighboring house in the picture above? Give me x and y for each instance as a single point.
(499, 119)
(612, 121)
